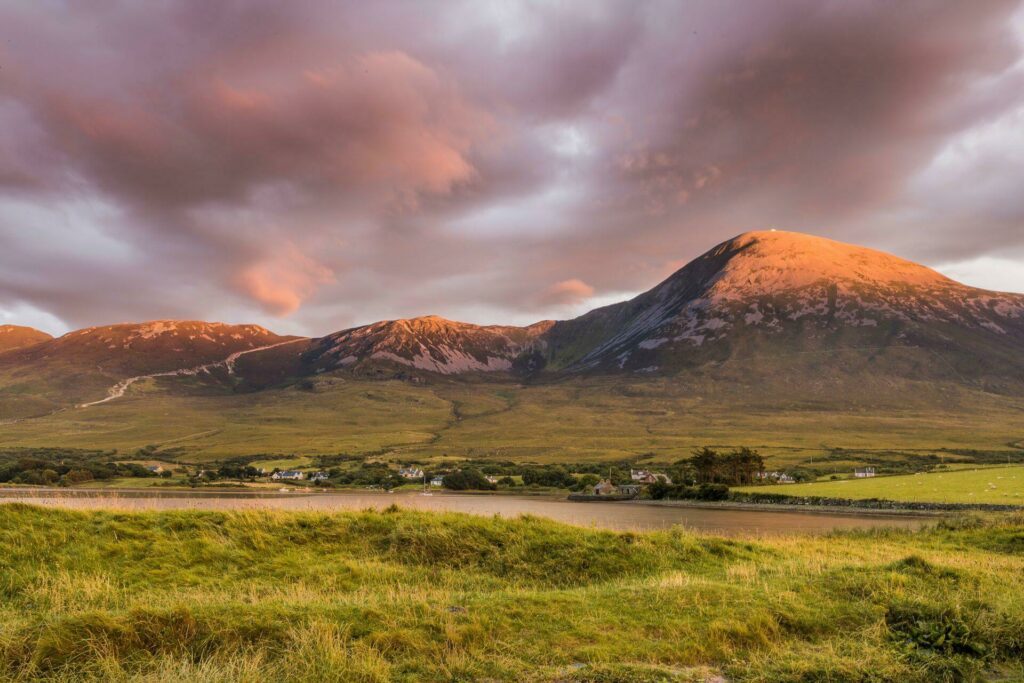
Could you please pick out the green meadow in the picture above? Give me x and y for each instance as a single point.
(404, 596)
(995, 485)
(579, 420)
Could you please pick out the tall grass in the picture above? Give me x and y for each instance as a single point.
(396, 595)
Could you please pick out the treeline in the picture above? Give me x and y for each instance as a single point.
(39, 472)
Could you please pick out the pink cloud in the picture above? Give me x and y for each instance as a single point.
(281, 283)
(567, 293)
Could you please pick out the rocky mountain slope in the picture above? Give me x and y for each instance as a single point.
(429, 343)
(16, 337)
(781, 292)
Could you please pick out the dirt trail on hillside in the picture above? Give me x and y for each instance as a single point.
(119, 389)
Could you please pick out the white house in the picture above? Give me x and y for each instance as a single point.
(318, 476)
(864, 472)
(641, 475)
(648, 477)
(410, 473)
(437, 481)
(777, 477)
(289, 475)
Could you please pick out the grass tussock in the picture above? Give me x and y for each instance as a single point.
(406, 596)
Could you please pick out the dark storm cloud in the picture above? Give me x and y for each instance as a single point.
(337, 163)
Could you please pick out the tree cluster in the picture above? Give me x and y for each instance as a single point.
(734, 468)
(35, 471)
(467, 479)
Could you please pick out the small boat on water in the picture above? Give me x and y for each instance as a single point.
(425, 491)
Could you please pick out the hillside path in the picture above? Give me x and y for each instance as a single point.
(119, 389)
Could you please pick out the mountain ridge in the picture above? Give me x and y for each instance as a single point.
(758, 295)
(759, 292)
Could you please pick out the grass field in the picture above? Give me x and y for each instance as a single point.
(572, 421)
(998, 485)
(403, 596)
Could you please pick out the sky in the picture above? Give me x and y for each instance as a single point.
(313, 165)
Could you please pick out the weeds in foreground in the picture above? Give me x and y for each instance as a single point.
(405, 596)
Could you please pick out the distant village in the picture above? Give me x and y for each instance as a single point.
(707, 474)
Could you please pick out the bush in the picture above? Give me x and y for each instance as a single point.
(553, 475)
(660, 490)
(467, 479)
(712, 492)
(942, 631)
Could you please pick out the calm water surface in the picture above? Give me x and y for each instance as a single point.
(619, 516)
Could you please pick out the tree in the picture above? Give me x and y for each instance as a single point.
(705, 463)
(467, 479)
(749, 462)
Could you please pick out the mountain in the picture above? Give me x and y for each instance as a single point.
(16, 337)
(136, 348)
(429, 343)
(769, 293)
(760, 295)
(84, 364)
(754, 309)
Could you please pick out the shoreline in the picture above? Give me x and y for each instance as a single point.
(844, 510)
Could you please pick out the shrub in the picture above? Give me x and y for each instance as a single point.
(943, 631)
(467, 479)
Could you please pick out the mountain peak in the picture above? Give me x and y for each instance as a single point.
(774, 260)
(16, 337)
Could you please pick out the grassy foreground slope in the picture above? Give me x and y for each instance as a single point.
(996, 485)
(396, 595)
(584, 419)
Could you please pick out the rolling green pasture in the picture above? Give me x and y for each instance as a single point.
(404, 596)
(578, 420)
(997, 485)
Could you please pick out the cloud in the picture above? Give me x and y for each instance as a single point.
(281, 283)
(567, 293)
(337, 163)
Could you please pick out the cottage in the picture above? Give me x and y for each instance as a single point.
(437, 481)
(629, 489)
(318, 476)
(410, 473)
(864, 472)
(642, 476)
(288, 475)
(491, 479)
(155, 469)
(605, 488)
